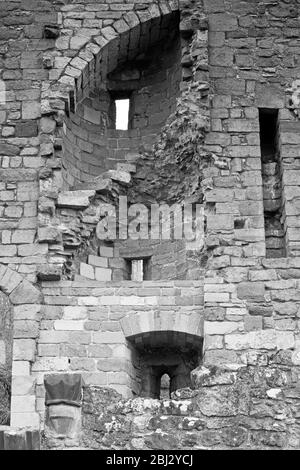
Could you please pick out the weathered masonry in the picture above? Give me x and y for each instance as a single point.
(155, 342)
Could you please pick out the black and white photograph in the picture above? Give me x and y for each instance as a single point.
(149, 228)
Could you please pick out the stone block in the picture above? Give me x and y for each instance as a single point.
(285, 340)
(24, 350)
(23, 385)
(220, 356)
(26, 129)
(222, 327)
(69, 325)
(220, 222)
(242, 125)
(46, 364)
(108, 337)
(77, 42)
(75, 199)
(20, 368)
(106, 251)
(26, 329)
(99, 350)
(25, 420)
(31, 110)
(263, 275)
(223, 57)
(49, 349)
(91, 115)
(265, 339)
(53, 337)
(87, 271)
(75, 313)
(103, 274)
(210, 297)
(251, 291)
(213, 342)
(9, 280)
(49, 234)
(83, 363)
(87, 300)
(23, 236)
(253, 323)
(26, 293)
(238, 311)
(98, 261)
(223, 22)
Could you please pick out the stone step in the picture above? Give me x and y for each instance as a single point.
(128, 167)
(100, 184)
(132, 157)
(122, 177)
(75, 199)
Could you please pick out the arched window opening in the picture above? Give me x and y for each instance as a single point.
(126, 101)
(165, 384)
(163, 361)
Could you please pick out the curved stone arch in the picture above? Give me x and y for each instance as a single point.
(137, 325)
(92, 54)
(67, 88)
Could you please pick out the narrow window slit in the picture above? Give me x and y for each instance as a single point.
(122, 114)
(272, 186)
(139, 269)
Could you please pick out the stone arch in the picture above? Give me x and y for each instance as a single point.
(95, 58)
(138, 326)
(163, 343)
(94, 51)
(86, 57)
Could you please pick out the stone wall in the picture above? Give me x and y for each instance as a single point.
(87, 326)
(251, 408)
(237, 57)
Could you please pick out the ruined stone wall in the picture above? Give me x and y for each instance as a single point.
(252, 408)
(91, 144)
(50, 56)
(84, 327)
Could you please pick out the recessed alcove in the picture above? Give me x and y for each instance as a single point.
(145, 72)
(163, 362)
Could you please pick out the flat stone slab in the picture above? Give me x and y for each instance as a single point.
(75, 199)
(119, 176)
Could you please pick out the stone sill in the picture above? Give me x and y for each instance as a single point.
(146, 284)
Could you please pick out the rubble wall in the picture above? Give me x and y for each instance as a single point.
(252, 408)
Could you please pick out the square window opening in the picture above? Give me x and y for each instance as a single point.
(139, 269)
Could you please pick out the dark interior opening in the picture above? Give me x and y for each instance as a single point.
(163, 362)
(156, 363)
(272, 187)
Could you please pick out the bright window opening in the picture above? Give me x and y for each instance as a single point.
(139, 269)
(165, 385)
(122, 114)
